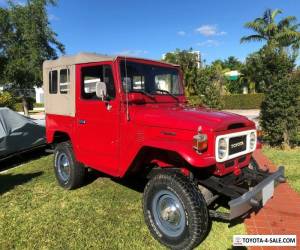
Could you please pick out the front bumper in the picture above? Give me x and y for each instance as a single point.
(257, 196)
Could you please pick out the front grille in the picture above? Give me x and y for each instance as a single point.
(237, 144)
(242, 159)
(229, 164)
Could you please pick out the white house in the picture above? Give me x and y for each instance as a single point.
(39, 95)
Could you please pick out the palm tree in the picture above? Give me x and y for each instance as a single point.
(284, 33)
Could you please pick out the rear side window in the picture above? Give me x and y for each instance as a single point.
(64, 81)
(53, 82)
(92, 75)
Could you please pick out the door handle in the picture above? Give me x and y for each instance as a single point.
(82, 122)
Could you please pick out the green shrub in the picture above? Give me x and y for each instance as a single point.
(211, 98)
(7, 100)
(241, 101)
(18, 107)
(38, 105)
(280, 113)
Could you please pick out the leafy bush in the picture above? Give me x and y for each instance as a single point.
(280, 112)
(18, 107)
(241, 101)
(19, 103)
(211, 98)
(7, 100)
(38, 105)
(266, 66)
(202, 85)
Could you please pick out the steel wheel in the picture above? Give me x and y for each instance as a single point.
(63, 167)
(175, 211)
(168, 213)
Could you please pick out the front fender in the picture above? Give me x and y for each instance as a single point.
(174, 140)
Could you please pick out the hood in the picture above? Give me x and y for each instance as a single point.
(189, 118)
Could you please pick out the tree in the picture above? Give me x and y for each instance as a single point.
(266, 66)
(30, 41)
(201, 83)
(272, 68)
(232, 63)
(209, 86)
(280, 112)
(223, 66)
(282, 34)
(188, 62)
(5, 29)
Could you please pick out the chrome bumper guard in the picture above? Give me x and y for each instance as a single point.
(254, 197)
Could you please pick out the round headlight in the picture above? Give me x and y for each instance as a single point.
(222, 148)
(252, 140)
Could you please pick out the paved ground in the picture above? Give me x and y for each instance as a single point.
(252, 114)
(281, 214)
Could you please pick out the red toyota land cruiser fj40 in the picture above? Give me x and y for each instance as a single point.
(128, 116)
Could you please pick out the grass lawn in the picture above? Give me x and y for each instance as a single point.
(291, 160)
(35, 213)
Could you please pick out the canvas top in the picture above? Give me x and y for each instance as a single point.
(84, 58)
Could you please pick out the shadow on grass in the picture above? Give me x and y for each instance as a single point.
(10, 181)
(22, 158)
(92, 175)
(133, 182)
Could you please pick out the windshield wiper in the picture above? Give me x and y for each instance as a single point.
(143, 92)
(167, 92)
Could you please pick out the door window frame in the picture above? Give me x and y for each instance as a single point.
(79, 79)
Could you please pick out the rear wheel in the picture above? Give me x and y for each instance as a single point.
(69, 173)
(175, 211)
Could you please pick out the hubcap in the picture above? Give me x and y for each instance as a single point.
(63, 167)
(168, 213)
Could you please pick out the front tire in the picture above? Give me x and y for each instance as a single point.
(175, 211)
(69, 173)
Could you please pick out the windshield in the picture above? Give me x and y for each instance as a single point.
(151, 79)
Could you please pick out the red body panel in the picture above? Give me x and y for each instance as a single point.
(108, 142)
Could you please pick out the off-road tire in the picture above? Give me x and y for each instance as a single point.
(77, 170)
(193, 203)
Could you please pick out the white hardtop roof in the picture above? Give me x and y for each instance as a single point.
(87, 58)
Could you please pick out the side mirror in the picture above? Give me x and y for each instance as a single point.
(101, 91)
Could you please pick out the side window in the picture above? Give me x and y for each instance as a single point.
(53, 82)
(94, 74)
(168, 82)
(138, 83)
(64, 81)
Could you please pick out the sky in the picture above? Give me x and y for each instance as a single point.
(151, 28)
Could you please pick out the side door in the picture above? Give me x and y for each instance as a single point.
(97, 121)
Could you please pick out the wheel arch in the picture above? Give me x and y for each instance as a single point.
(60, 136)
(150, 157)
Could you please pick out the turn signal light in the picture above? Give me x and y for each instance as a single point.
(200, 143)
(259, 134)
